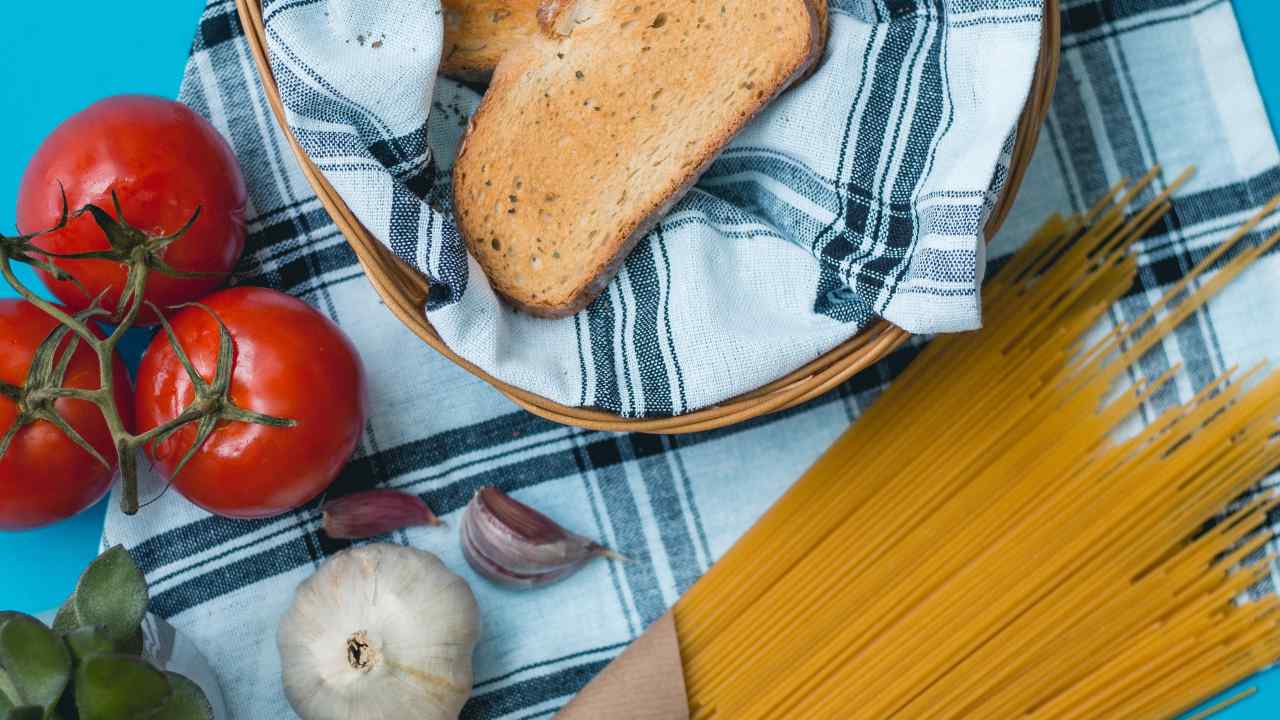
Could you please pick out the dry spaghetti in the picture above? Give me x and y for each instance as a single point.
(980, 543)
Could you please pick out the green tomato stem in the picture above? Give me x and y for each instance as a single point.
(140, 253)
(81, 329)
(94, 396)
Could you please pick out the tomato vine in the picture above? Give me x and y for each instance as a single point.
(142, 254)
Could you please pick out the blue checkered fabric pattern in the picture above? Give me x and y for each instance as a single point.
(1142, 82)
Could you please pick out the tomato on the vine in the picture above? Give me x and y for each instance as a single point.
(44, 475)
(289, 362)
(164, 162)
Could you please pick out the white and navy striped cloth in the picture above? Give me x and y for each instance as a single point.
(1142, 81)
(861, 193)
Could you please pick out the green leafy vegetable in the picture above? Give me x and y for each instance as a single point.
(66, 621)
(112, 594)
(91, 666)
(87, 641)
(110, 687)
(188, 702)
(35, 660)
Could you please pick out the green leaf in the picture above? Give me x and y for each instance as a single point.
(27, 712)
(132, 645)
(66, 620)
(109, 687)
(87, 641)
(67, 708)
(35, 660)
(188, 702)
(113, 594)
(8, 693)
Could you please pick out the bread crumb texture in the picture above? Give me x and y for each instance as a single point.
(591, 131)
(477, 33)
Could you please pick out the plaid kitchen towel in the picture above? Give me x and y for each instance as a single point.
(860, 193)
(1142, 81)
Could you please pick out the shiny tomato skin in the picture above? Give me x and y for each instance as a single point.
(163, 160)
(44, 476)
(289, 362)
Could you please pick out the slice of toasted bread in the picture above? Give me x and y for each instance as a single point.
(477, 33)
(589, 134)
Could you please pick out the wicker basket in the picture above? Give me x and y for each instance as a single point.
(404, 289)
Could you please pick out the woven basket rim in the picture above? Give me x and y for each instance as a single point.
(404, 290)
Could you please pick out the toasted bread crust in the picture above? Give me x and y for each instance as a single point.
(636, 221)
(477, 33)
(556, 18)
(821, 9)
(550, 13)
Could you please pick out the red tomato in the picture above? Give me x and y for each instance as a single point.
(44, 476)
(289, 362)
(163, 161)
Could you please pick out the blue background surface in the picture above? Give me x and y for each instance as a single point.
(58, 60)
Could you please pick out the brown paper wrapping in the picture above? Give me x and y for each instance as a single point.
(645, 682)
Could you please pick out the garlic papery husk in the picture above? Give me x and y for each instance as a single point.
(371, 513)
(379, 632)
(512, 544)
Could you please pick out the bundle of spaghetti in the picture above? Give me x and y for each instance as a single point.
(986, 542)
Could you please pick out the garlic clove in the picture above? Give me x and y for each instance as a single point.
(511, 544)
(375, 512)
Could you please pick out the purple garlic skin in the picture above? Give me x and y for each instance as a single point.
(375, 512)
(513, 545)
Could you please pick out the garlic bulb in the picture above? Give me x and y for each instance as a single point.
(379, 632)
